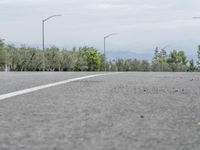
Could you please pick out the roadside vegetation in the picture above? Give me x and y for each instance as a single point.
(90, 59)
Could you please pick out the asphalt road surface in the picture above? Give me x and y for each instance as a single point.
(119, 111)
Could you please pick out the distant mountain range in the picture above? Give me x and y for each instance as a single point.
(128, 55)
(140, 56)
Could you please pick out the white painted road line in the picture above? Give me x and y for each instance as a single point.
(33, 89)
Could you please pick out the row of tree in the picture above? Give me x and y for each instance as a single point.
(89, 59)
(174, 61)
(52, 59)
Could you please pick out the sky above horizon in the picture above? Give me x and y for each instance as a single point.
(142, 24)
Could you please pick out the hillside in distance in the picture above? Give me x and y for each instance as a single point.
(140, 56)
(128, 55)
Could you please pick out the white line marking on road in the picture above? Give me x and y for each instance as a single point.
(33, 89)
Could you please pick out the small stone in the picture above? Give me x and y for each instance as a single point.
(175, 90)
(141, 116)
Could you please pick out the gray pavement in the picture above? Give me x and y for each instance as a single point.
(126, 111)
(14, 81)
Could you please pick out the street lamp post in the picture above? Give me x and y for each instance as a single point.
(105, 37)
(43, 47)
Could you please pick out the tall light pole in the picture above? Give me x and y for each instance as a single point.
(105, 37)
(43, 21)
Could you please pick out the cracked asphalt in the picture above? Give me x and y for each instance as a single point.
(125, 111)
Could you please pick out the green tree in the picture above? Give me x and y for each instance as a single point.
(198, 57)
(52, 59)
(135, 65)
(2, 55)
(81, 63)
(127, 65)
(145, 66)
(156, 54)
(12, 56)
(177, 57)
(192, 67)
(120, 64)
(69, 60)
(159, 62)
(34, 59)
(113, 66)
(178, 61)
(103, 63)
(93, 58)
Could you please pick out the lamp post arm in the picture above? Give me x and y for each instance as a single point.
(195, 17)
(110, 35)
(51, 17)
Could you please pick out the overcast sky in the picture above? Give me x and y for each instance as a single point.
(142, 24)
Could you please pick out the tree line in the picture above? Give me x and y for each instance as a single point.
(90, 59)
